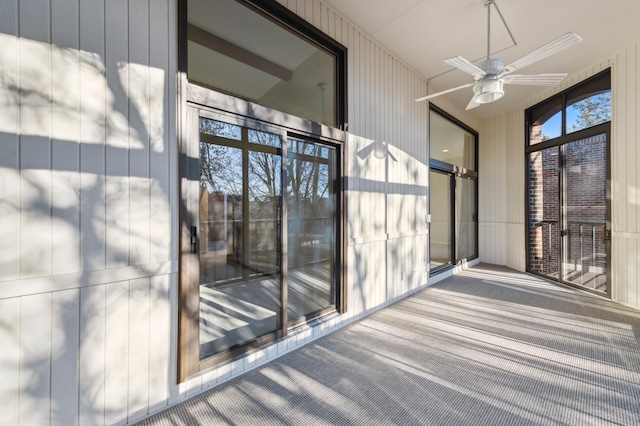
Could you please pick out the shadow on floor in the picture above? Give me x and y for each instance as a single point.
(488, 346)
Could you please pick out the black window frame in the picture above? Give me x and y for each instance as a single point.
(563, 97)
(454, 172)
(565, 138)
(293, 23)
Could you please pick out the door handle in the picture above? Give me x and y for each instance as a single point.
(194, 239)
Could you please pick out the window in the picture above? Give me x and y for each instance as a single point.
(234, 47)
(262, 234)
(453, 183)
(450, 143)
(584, 106)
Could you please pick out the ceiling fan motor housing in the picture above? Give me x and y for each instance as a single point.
(492, 66)
(490, 87)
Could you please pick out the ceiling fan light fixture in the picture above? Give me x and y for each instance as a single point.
(488, 91)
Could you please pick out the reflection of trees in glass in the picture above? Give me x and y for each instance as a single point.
(220, 168)
(592, 111)
(265, 169)
(307, 179)
(218, 128)
(308, 188)
(264, 175)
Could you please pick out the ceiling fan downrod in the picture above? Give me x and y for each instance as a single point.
(488, 4)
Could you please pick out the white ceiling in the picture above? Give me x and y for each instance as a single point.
(423, 33)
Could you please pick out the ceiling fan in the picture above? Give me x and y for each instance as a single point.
(491, 75)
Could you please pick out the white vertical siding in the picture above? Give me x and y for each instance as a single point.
(35, 350)
(117, 350)
(9, 360)
(88, 172)
(625, 178)
(35, 144)
(9, 143)
(65, 127)
(117, 136)
(93, 90)
(160, 98)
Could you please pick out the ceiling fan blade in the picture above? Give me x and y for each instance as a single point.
(472, 104)
(464, 65)
(424, 98)
(558, 45)
(534, 80)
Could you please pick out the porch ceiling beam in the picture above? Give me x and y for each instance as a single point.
(210, 41)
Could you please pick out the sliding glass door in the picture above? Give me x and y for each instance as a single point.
(261, 248)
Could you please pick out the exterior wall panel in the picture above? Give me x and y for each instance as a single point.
(9, 144)
(88, 182)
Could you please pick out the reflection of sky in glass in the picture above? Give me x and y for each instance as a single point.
(264, 175)
(573, 112)
(263, 138)
(552, 127)
(223, 130)
(221, 168)
(300, 147)
(307, 170)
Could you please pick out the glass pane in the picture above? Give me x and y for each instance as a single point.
(546, 121)
(268, 65)
(311, 212)
(543, 211)
(221, 207)
(264, 210)
(465, 218)
(220, 129)
(239, 239)
(440, 229)
(585, 213)
(588, 112)
(451, 143)
(264, 138)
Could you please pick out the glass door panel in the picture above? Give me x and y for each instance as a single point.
(544, 199)
(465, 218)
(440, 240)
(584, 260)
(239, 236)
(311, 205)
